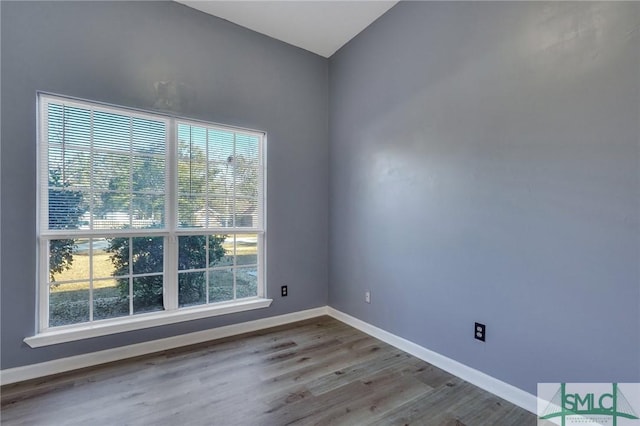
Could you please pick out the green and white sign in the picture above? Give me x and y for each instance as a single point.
(565, 404)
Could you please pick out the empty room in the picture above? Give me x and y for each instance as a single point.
(320, 213)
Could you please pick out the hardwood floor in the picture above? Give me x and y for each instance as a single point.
(318, 371)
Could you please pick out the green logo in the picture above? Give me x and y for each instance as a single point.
(586, 403)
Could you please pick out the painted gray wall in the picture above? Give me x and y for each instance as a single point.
(485, 166)
(114, 52)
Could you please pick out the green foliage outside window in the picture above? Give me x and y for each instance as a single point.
(147, 258)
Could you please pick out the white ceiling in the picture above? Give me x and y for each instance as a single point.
(321, 27)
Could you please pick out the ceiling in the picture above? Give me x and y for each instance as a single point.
(321, 27)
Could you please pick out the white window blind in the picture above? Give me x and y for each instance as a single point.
(219, 178)
(114, 162)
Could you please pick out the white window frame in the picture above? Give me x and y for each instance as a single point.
(172, 313)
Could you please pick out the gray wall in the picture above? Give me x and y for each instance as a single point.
(484, 163)
(114, 52)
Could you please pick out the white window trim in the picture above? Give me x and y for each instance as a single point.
(46, 335)
(137, 322)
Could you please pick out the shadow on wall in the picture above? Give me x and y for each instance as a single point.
(173, 96)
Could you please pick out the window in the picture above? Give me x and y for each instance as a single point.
(144, 214)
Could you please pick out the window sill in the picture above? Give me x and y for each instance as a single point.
(154, 319)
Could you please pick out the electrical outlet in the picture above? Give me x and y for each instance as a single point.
(367, 296)
(480, 331)
(284, 291)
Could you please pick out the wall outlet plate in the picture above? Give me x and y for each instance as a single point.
(367, 296)
(284, 291)
(480, 331)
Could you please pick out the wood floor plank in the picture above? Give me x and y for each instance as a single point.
(317, 371)
(354, 372)
(432, 408)
(386, 389)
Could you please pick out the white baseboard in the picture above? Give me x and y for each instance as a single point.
(490, 384)
(33, 371)
(484, 381)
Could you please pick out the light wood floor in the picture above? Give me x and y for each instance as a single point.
(318, 371)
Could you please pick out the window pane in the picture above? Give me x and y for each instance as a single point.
(111, 210)
(221, 212)
(220, 285)
(76, 169)
(192, 160)
(192, 252)
(110, 298)
(246, 179)
(68, 303)
(191, 211)
(184, 181)
(192, 288)
(248, 148)
(103, 265)
(148, 211)
(246, 212)
(55, 161)
(111, 257)
(220, 182)
(147, 294)
(111, 131)
(111, 172)
(148, 174)
(55, 123)
(221, 250)
(148, 136)
(220, 162)
(246, 282)
(147, 255)
(196, 172)
(76, 123)
(220, 145)
(68, 260)
(66, 208)
(247, 249)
